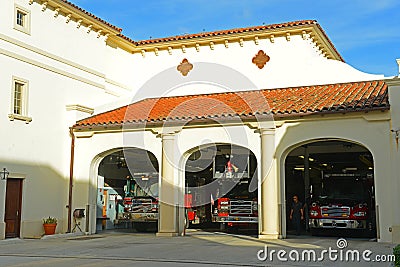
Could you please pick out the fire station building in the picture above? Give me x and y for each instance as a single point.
(295, 117)
(280, 93)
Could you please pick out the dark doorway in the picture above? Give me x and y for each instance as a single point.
(219, 193)
(334, 181)
(127, 194)
(12, 216)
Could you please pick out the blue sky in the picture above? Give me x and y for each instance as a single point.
(365, 32)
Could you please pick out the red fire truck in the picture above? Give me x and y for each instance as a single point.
(238, 208)
(140, 203)
(346, 201)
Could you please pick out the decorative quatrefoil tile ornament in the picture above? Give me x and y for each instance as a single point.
(185, 67)
(260, 59)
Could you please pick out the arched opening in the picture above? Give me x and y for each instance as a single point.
(334, 183)
(127, 190)
(221, 188)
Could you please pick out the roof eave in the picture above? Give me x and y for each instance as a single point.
(222, 121)
(326, 43)
(314, 30)
(86, 18)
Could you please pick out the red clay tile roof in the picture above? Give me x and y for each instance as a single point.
(127, 38)
(223, 32)
(91, 15)
(296, 101)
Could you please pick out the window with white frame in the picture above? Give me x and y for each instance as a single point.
(19, 103)
(22, 19)
(18, 90)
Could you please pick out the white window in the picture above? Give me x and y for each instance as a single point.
(18, 90)
(19, 103)
(22, 19)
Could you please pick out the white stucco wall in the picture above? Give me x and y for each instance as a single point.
(51, 60)
(292, 63)
(54, 35)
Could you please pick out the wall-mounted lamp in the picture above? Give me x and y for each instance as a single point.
(4, 174)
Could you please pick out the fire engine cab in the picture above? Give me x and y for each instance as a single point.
(140, 202)
(345, 202)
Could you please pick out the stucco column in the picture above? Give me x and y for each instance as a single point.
(269, 187)
(168, 224)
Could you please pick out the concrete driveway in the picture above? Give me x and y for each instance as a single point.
(197, 248)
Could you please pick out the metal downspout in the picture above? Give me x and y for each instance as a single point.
(71, 179)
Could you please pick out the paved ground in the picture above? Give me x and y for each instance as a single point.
(198, 248)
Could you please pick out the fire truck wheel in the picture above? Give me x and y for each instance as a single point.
(233, 229)
(315, 232)
(140, 227)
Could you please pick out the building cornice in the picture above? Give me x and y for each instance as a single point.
(82, 17)
(393, 82)
(80, 108)
(308, 31)
(121, 42)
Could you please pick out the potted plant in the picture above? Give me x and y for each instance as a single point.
(49, 225)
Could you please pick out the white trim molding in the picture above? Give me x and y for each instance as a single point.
(16, 175)
(50, 68)
(19, 117)
(80, 108)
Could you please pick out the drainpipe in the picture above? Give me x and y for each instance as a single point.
(71, 178)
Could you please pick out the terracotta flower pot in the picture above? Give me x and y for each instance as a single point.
(49, 228)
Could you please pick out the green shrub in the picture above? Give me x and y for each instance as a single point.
(396, 253)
